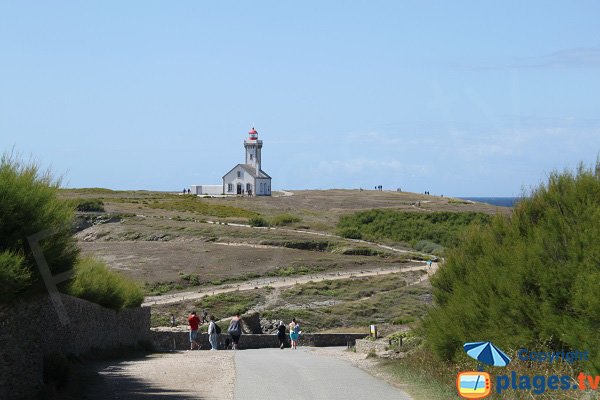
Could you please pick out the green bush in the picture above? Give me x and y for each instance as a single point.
(93, 281)
(285, 219)
(258, 221)
(528, 280)
(29, 204)
(429, 247)
(361, 251)
(14, 276)
(441, 228)
(350, 233)
(90, 205)
(314, 245)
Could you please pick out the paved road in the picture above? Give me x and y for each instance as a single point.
(297, 374)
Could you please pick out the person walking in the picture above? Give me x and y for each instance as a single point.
(281, 334)
(213, 333)
(294, 333)
(235, 331)
(194, 322)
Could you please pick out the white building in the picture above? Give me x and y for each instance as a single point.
(248, 178)
(206, 190)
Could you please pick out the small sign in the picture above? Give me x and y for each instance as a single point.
(373, 331)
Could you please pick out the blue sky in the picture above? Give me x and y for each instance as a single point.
(458, 98)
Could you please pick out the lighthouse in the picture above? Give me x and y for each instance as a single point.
(253, 148)
(249, 179)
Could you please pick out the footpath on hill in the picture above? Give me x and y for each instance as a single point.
(280, 283)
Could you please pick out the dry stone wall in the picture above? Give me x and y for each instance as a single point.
(164, 340)
(32, 330)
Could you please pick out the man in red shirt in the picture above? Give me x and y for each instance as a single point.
(194, 322)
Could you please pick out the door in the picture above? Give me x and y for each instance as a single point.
(239, 188)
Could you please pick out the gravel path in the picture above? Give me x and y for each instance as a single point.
(302, 374)
(183, 375)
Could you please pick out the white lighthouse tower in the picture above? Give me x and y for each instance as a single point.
(253, 148)
(249, 179)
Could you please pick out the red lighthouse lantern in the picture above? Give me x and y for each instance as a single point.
(253, 134)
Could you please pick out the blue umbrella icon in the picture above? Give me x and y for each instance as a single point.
(487, 353)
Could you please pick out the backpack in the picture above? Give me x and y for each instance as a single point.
(217, 329)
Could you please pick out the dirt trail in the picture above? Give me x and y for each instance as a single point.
(280, 283)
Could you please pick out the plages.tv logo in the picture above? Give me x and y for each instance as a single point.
(477, 384)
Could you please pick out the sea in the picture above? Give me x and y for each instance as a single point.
(495, 201)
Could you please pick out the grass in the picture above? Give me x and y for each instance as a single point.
(202, 207)
(343, 289)
(228, 304)
(222, 305)
(160, 288)
(361, 302)
(417, 383)
(195, 280)
(425, 377)
(377, 307)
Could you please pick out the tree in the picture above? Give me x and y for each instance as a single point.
(29, 204)
(528, 280)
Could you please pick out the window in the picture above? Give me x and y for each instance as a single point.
(230, 187)
(251, 156)
(239, 174)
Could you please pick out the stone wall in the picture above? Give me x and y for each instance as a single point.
(369, 346)
(164, 340)
(31, 330)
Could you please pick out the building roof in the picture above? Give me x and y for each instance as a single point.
(251, 171)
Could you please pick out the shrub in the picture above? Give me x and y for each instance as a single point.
(361, 251)
(350, 233)
(314, 245)
(93, 281)
(529, 280)
(14, 276)
(429, 247)
(90, 205)
(29, 204)
(441, 228)
(258, 221)
(285, 219)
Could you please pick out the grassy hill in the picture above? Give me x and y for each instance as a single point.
(171, 242)
(156, 237)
